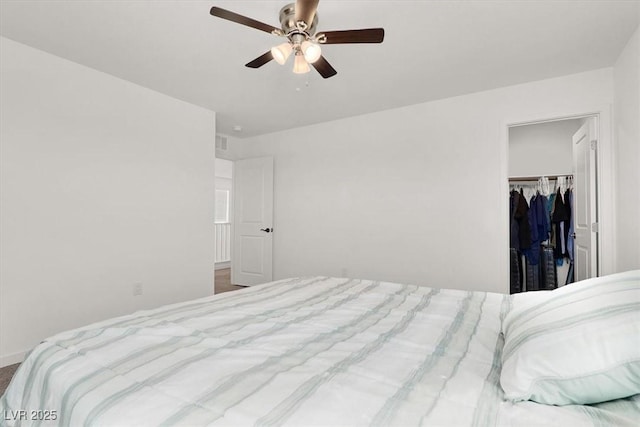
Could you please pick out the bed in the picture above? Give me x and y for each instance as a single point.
(328, 352)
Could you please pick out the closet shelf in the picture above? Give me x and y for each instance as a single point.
(535, 178)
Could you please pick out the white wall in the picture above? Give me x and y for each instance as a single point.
(224, 175)
(626, 75)
(414, 194)
(542, 148)
(224, 169)
(103, 184)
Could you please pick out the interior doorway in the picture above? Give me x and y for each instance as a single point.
(253, 230)
(549, 165)
(223, 223)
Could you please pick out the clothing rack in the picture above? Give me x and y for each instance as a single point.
(543, 183)
(535, 178)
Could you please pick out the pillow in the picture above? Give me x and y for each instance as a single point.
(578, 344)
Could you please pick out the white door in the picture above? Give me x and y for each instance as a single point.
(251, 262)
(584, 205)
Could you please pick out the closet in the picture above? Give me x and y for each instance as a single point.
(541, 204)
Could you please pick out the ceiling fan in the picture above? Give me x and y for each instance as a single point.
(298, 25)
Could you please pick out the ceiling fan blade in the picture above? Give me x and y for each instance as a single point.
(367, 35)
(324, 68)
(239, 19)
(306, 10)
(260, 60)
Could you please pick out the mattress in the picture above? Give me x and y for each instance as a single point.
(301, 351)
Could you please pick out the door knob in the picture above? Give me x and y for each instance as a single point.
(267, 230)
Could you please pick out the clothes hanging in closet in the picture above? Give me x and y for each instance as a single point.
(520, 236)
(541, 235)
(536, 269)
(539, 223)
(568, 201)
(559, 219)
(520, 228)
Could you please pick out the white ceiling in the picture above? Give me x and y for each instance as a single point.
(432, 50)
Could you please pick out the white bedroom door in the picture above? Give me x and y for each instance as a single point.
(585, 144)
(251, 263)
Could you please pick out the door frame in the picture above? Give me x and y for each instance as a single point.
(230, 208)
(231, 203)
(605, 180)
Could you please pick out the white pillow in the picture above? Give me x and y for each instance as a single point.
(578, 344)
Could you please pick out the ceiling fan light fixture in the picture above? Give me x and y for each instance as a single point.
(300, 66)
(311, 51)
(298, 23)
(281, 52)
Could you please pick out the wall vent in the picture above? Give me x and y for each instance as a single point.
(221, 143)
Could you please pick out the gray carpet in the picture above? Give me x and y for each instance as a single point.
(6, 374)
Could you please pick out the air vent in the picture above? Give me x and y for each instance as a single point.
(221, 143)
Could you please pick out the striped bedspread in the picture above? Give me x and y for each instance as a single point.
(304, 351)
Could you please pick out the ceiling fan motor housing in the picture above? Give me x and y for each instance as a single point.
(290, 26)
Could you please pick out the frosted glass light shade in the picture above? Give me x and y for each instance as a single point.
(300, 66)
(311, 51)
(281, 52)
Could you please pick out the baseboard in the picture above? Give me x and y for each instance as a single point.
(223, 265)
(12, 359)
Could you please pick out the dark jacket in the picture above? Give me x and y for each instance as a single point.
(520, 229)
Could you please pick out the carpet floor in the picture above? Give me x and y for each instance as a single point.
(6, 374)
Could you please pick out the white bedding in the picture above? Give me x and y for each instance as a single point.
(304, 351)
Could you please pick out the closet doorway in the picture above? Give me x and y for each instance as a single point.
(553, 201)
